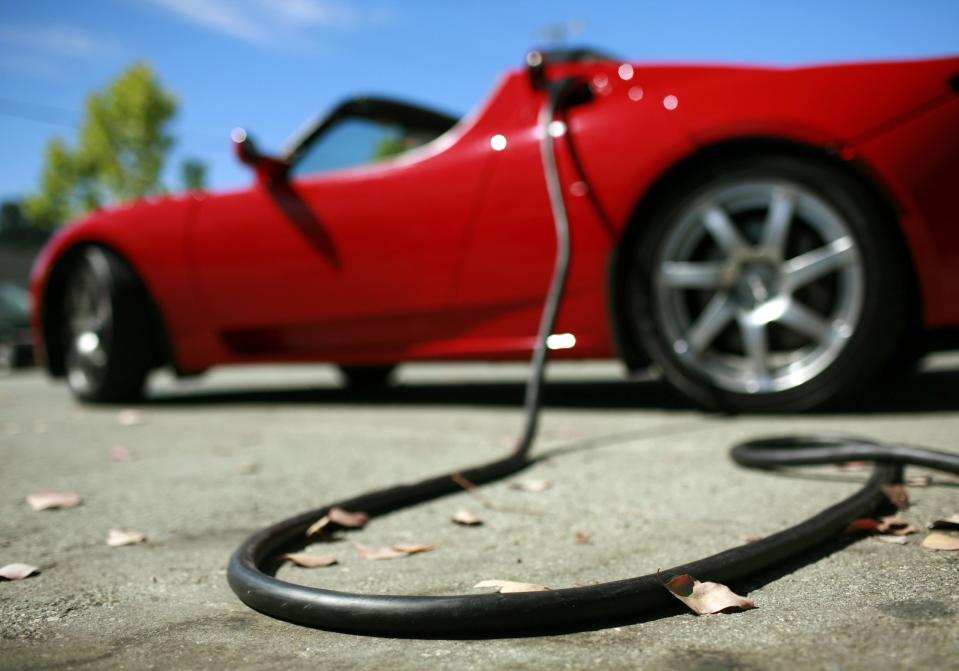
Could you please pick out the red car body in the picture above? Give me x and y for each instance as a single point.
(445, 252)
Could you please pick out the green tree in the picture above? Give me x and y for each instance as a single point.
(193, 174)
(121, 150)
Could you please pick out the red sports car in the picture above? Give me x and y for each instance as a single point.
(768, 238)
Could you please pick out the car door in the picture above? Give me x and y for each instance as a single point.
(351, 255)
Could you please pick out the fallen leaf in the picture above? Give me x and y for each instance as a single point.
(938, 540)
(895, 540)
(413, 548)
(393, 552)
(896, 526)
(17, 571)
(309, 560)
(706, 598)
(919, 480)
(44, 499)
(492, 505)
(584, 537)
(530, 485)
(951, 523)
(466, 518)
(898, 495)
(119, 537)
(344, 518)
(129, 417)
(510, 587)
(248, 469)
(863, 526)
(891, 524)
(119, 453)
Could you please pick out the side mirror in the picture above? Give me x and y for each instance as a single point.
(244, 148)
(269, 170)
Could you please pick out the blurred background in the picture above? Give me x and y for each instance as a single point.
(106, 100)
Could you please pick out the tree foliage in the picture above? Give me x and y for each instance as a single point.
(193, 174)
(121, 150)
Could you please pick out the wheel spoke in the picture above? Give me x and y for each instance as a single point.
(804, 321)
(681, 275)
(714, 318)
(778, 218)
(724, 232)
(755, 344)
(805, 268)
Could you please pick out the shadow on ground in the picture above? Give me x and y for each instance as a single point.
(928, 392)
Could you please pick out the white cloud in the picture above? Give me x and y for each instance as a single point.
(220, 16)
(48, 52)
(265, 22)
(59, 40)
(311, 12)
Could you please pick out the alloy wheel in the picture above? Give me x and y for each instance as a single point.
(758, 286)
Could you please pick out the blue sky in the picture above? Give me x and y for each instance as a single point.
(269, 65)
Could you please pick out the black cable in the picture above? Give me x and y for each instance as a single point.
(511, 614)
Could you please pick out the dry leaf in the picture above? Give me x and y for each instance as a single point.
(492, 505)
(919, 480)
(335, 515)
(44, 499)
(898, 495)
(950, 523)
(510, 587)
(466, 518)
(893, 525)
(309, 560)
(747, 538)
(413, 548)
(129, 417)
(895, 540)
(584, 537)
(248, 469)
(938, 540)
(706, 598)
(119, 453)
(17, 571)
(530, 485)
(346, 518)
(394, 552)
(119, 537)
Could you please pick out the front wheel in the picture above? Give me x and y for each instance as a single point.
(773, 285)
(105, 328)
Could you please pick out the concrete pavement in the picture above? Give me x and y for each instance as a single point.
(644, 475)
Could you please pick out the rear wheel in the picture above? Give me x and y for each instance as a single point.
(105, 329)
(773, 285)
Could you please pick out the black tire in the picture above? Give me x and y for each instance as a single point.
(365, 378)
(876, 279)
(106, 329)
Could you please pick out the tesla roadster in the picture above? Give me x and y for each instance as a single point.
(769, 239)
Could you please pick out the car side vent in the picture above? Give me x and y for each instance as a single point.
(954, 83)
